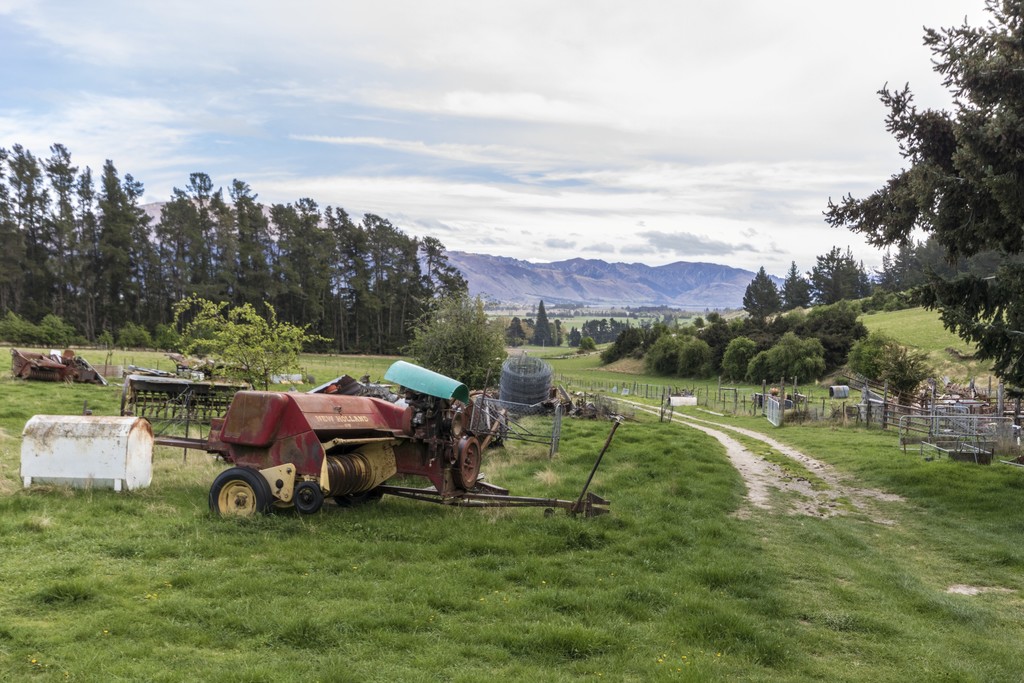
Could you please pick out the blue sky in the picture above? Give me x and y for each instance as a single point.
(646, 131)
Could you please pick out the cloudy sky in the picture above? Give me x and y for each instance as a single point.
(644, 131)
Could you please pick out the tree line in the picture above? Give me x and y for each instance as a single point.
(84, 251)
(836, 276)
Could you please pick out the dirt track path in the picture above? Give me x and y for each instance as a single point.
(832, 494)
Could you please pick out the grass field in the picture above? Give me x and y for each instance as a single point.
(672, 585)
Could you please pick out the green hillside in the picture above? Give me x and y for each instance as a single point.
(920, 328)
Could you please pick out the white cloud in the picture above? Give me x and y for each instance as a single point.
(718, 127)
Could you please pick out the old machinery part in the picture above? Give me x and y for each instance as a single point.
(308, 498)
(239, 492)
(361, 470)
(468, 462)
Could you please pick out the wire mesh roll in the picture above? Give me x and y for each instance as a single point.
(524, 379)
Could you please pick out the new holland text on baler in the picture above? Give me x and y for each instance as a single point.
(292, 449)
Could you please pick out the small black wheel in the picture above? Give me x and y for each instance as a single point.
(239, 492)
(308, 497)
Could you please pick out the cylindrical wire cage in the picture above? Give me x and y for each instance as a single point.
(525, 379)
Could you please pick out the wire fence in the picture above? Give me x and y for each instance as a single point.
(848, 405)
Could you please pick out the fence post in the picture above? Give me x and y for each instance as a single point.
(885, 405)
(556, 431)
(867, 405)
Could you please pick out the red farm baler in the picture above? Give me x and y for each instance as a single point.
(289, 449)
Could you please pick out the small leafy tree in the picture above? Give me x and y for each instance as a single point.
(790, 357)
(57, 332)
(737, 357)
(882, 358)
(252, 347)
(458, 340)
(586, 345)
(133, 336)
(515, 335)
(663, 356)
(694, 358)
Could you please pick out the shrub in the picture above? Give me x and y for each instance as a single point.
(738, 355)
(55, 332)
(133, 336)
(17, 330)
(803, 359)
(663, 357)
(695, 358)
(166, 337)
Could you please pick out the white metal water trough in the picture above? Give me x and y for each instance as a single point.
(86, 450)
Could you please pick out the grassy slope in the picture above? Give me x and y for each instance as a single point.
(147, 585)
(921, 329)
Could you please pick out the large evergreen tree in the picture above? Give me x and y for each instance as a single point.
(796, 290)
(963, 184)
(542, 330)
(89, 253)
(761, 298)
(29, 207)
(837, 276)
(12, 247)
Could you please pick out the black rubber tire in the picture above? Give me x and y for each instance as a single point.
(308, 497)
(240, 492)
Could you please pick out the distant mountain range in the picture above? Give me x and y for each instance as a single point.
(692, 286)
(592, 282)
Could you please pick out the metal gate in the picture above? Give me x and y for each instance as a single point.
(773, 410)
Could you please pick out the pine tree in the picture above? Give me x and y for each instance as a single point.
(542, 330)
(796, 291)
(761, 298)
(962, 182)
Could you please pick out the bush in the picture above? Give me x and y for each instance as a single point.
(17, 330)
(56, 332)
(587, 344)
(866, 355)
(133, 336)
(663, 357)
(695, 358)
(166, 338)
(792, 357)
(882, 358)
(738, 355)
(759, 368)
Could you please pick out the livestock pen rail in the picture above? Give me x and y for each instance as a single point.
(957, 435)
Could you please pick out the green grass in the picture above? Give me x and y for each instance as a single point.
(915, 327)
(922, 329)
(148, 585)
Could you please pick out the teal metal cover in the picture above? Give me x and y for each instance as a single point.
(426, 381)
